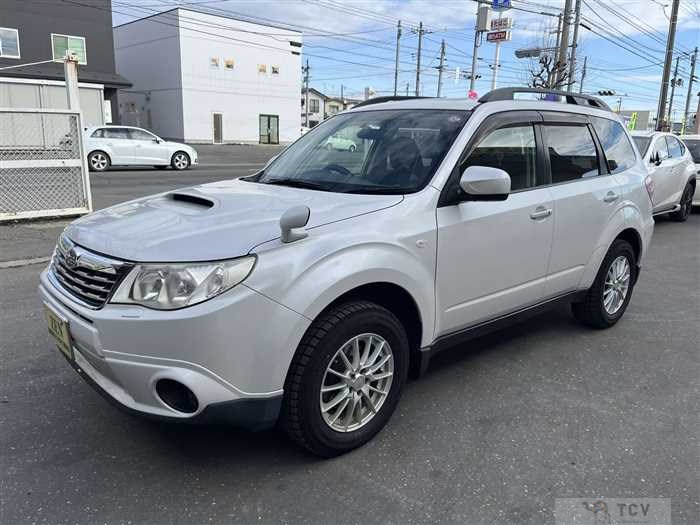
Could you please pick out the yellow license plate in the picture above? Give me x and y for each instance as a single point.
(58, 329)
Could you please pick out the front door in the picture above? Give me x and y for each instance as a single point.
(269, 129)
(492, 256)
(218, 128)
(147, 148)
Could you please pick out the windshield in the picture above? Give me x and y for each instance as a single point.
(642, 143)
(694, 148)
(381, 151)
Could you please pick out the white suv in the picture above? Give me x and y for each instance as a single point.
(307, 292)
(128, 146)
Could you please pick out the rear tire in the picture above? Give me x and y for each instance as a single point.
(603, 305)
(98, 161)
(180, 161)
(686, 204)
(308, 413)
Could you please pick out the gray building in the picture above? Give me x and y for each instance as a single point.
(39, 31)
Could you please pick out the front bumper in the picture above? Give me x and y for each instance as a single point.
(232, 352)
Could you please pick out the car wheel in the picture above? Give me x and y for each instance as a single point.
(352, 148)
(345, 379)
(686, 205)
(180, 161)
(607, 300)
(98, 161)
(329, 147)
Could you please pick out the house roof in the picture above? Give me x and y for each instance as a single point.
(55, 72)
(317, 92)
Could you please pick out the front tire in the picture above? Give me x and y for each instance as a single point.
(345, 379)
(686, 204)
(98, 161)
(180, 161)
(608, 297)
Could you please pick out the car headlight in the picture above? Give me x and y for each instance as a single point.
(171, 286)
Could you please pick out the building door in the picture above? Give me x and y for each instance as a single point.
(218, 128)
(269, 129)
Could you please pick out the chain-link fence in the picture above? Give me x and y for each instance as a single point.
(43, 172)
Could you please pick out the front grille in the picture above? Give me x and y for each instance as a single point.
(88, 277)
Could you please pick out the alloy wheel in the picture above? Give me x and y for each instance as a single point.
(98, 161)
(357, 382)
(180, 161)
(616, 285)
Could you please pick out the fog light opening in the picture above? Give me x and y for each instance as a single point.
(177, 396)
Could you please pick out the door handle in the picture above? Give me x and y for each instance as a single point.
(611, 196)
(541, 213)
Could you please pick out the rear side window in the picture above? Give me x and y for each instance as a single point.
(694, 147)
(98, 134)
(571, 150)
(511, 149)
(619, 153)
(674, 148)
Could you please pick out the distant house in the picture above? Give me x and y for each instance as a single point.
(322, 106)
(41, 35)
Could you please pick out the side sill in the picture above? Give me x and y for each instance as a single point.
(472, 332)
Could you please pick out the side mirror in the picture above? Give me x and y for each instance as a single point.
(483, 183)
(157, 141)
(292, 223)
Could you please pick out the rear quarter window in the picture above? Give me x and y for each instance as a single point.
(97, 134)
(617, 147)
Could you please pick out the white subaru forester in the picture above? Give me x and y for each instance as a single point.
(306, 293)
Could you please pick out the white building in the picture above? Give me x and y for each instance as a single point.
(204, 78)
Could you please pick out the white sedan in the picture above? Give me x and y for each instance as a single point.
(673, 171)
(336, 142)
(128, 146)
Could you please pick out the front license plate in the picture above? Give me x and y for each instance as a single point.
(58, 328)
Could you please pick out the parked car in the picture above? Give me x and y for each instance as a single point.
(673, 171)
(692, 142)
(337, 142)
(128, 146)
(306, 292)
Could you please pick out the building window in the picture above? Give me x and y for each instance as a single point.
(9, 43)
(214, 62)
(228, 64)
(262, 68)
(275, 70)
(313, 105)
(61, 44)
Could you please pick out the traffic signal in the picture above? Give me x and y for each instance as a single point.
(606, 93)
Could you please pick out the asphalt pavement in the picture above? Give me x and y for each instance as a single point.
(493, 433)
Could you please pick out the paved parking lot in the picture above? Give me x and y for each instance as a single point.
(495, 432)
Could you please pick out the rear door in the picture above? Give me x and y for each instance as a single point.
(120, 146)
(492, 256)
(585, 197)
(679, 177)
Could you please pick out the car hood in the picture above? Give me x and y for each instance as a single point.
(209, 222)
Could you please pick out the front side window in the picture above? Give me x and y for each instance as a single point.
(61, 44)
(381, 151)
(9, 42)
(512, 149)
(139, 134)
(674, 148)
(619, 153)
(572, 153)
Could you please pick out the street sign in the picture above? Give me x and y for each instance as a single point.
(501, 24)
(498, 36)
(500, 5)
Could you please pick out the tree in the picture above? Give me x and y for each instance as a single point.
(549, 73)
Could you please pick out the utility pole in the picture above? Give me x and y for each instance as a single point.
(574, 45)
(305, 70)
(420, 32)
(697, 117)
(396, 65)
(563, 44)
(693, 59)
(583, 75)
(674, 81)
(661, 112)
(407, 88)
(441, 67)
(475, 52)
(342, 96)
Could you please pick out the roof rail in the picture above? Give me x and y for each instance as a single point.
(379, 100)
(508, 93)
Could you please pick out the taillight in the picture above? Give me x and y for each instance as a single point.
(649, 184)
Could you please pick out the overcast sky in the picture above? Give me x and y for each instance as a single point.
(351, 42)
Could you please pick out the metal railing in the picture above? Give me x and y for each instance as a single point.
(43, 169)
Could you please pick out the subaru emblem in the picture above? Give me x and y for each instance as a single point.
(71, 258)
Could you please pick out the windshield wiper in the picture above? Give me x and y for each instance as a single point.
(378, 190)
(297, 183)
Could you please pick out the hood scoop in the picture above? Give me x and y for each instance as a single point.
(193, 199)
